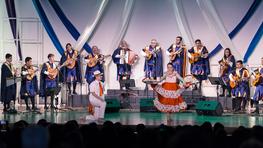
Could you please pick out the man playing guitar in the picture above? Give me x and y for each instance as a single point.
(71, 72)
(94, 62)
(177, 55)
(49, 80)
(239, 82)
(29, 84)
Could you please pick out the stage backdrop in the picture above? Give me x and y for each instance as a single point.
(233, 23)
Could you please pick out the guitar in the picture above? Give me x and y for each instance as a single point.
(149, 53)
(224, 66)
(174, 53)
(31, 73)
(237, 79)
(71, 61)
(93, 60)
(195, 57)
(53, 72)
(258, 78)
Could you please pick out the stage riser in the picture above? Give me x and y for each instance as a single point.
(225, 102)
(117, 92)
(133, 102)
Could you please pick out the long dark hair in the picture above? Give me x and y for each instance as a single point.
(230, 53)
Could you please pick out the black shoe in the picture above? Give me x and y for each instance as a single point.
(4, 110)
(52, 107)
(221, 95)
(74, 93)
(28, 108)
(46, 108)
(35, 108)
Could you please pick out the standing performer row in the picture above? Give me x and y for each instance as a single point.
(235, 76)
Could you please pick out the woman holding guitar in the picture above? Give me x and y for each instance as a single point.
(227, 64)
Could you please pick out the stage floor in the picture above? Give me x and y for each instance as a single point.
(134, 118)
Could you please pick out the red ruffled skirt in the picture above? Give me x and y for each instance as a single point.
(169, 97)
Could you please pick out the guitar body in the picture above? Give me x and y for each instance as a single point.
(257, 80)
(148, 54)
(31, 74)
(194, 58)
(232, 84)
(52, 73)
(93, 61)
(174, 53)
(70, 62)
(235, 81)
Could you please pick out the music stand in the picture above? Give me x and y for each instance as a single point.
(127, 84)
(12, 81)
(216, 81)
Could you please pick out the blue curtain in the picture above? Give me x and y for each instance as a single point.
(240, 25)
(70, 27)
(47, 26)
(254, 43)
(11, 12)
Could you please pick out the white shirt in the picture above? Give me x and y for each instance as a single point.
(95, 87)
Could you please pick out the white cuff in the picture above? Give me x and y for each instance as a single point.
(189, 55)
(143, 53)
(231, 77)
(46, 72)
(168, 53)
(24, 72)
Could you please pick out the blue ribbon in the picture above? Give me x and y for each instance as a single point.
(70, 27)
(253, 43)
(240, 25)
(11, 12)
(47, 26)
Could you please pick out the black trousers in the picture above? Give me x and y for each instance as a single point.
(32, 99)
(236, 103)
(50, 92)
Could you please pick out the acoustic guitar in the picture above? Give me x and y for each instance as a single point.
(149, 54)
(258, 78)
(174, 53)
(31, 73)
(237, 79)
(93, 60)
(53, 72)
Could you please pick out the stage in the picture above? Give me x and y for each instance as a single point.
(229, 120)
